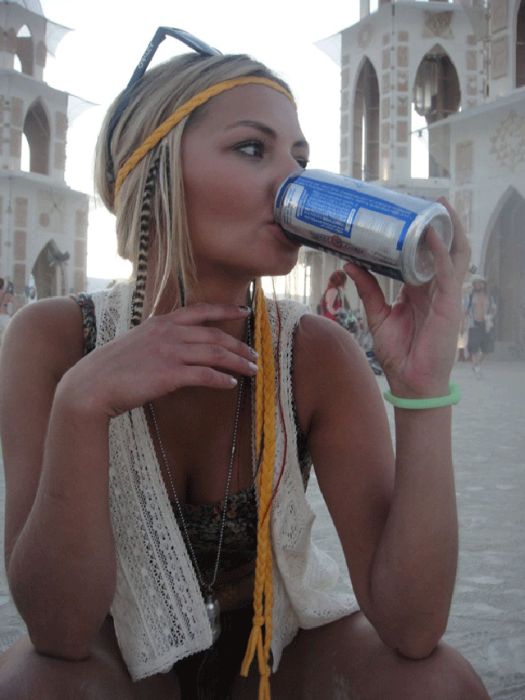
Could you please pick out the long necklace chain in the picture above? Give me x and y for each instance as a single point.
(211, 603)
(207, 586)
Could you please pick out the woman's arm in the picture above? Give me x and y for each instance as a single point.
(55, 409)
(58, 543)
(396, 516)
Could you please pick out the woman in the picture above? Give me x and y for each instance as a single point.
(333, 297)
(140, 431)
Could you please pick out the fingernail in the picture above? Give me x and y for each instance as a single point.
(253, 367)
(245, 308)
(254, 353)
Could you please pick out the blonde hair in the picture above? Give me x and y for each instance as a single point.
(157, 95)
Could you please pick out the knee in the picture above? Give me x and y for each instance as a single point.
(447, 674)
(25, 675)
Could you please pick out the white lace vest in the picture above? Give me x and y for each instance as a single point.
(158, 609)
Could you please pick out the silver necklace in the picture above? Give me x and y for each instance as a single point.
(211, 602)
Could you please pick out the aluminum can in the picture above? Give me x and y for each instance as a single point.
(375, 227)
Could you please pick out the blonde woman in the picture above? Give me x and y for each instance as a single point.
(158, 436)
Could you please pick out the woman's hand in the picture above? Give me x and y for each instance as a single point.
(415, 338)
(161, 355)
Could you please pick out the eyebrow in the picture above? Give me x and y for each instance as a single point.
(301, 143)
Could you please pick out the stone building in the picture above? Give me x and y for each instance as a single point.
(43, 223)
(433, 103)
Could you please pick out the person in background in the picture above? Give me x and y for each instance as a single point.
(6, 298)
(334, 304)
(158, 436)
(462, 355)
(480, 314)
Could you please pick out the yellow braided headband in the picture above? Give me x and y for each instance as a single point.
(178, 115)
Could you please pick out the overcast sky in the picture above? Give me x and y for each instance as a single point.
(96, 60)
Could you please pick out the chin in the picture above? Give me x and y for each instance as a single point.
(283, 264)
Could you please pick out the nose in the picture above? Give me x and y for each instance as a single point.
(286, 166)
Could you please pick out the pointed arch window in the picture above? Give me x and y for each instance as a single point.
(436, 91)
(366, 124)
(38, 135)
(436, 96)
(520, 46)
(24, 51)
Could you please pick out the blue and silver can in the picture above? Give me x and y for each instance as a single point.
(375, 227)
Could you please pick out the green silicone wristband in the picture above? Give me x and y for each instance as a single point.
(450, 399)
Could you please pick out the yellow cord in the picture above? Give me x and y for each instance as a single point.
(265, 398)
(183, 111)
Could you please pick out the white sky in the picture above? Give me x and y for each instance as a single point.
(95, 61)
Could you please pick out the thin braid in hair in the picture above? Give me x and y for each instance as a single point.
(142, 265)
(265, 396)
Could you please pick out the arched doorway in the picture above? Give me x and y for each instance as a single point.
(505, 265)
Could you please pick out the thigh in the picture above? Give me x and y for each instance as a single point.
(346, 660)
(26, 675)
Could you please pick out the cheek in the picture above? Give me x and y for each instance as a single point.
(220, 197)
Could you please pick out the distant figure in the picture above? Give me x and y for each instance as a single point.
(463, 355)
(480, 315)
(335, 305)
(5, 301)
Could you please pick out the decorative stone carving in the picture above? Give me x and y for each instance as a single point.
(402, 106)
(464, 160)
(438, 24)
(499, 57)
(463, 207)
(364, 35)
(402, 56)
(472, 60)
(472, 85)
(402, 132)
(508, 141)
(402, 81)
(498, 15)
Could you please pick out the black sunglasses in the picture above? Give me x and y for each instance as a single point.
(162, 32)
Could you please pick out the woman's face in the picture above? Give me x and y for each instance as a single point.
(234, 156)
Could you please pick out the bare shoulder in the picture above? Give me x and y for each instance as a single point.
(329, 368)
(48, 331)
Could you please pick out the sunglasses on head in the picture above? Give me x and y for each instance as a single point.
(162, 32)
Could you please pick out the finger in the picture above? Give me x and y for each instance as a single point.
(172, 334)
(460, 248)
(445, 271)
(217, 357)
(205, 377)
(369, 292)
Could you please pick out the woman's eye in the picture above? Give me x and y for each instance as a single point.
(254, 149)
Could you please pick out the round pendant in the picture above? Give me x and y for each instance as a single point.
(213, 609)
